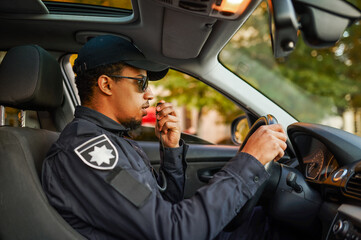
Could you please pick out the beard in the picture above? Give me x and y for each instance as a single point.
(132, 124)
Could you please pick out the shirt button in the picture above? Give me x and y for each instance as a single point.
(256, 179)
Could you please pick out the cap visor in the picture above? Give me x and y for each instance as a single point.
(153, 76)
(154, 70)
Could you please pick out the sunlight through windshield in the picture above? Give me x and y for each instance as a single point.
(314, 85)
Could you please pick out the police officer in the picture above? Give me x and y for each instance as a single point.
(102, 183)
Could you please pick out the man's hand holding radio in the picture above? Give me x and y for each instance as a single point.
(167, 124)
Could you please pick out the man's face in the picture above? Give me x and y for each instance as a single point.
(128, 102)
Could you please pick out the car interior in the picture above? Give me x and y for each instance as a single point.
(38, 86)
(315, 189)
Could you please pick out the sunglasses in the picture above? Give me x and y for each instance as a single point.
(142, 81)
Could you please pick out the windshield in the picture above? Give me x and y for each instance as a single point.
(313, 85)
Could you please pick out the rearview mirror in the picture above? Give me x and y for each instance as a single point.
(322, 23)
(283, 27)
(239, 129)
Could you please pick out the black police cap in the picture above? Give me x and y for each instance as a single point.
(109, 49)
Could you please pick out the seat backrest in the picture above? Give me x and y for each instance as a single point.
(30, 79)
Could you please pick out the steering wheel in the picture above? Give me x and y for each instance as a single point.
(273, 168)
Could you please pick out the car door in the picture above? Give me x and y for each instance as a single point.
(203, 160)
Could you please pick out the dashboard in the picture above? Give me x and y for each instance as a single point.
(329, 171)
(318, 162)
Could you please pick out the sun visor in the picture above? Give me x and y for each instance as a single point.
(20, 6)
(176, 26)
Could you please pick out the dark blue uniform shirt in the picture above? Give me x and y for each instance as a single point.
(102, 184)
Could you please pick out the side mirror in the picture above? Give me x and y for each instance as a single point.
(239, 129)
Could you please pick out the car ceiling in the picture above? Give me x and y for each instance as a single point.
(176, 37)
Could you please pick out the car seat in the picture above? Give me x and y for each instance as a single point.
(30, 79)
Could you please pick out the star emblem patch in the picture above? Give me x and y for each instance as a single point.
(98, 153)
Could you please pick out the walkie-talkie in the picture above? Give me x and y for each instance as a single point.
(160, 131)
(161, 145)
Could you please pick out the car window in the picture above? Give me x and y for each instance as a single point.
(123, 4)
(13, 118)
(116, 9)
(203, 111)
(205, 114)
(314, 85)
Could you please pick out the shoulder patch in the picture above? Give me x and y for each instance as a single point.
(98, 152)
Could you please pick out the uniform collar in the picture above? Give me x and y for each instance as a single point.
(100, 120)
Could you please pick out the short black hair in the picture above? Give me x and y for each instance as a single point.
(87, 80)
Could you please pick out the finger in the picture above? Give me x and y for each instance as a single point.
(276, 148)
(160, 105)
(279, 135)
(280, 148)
(165, 112)
(169, 126)
(280, 144)
(281, 153)
(266, 133)
(283, 145)
(165, 109)
(168, 118)
(273, 130)
(276, 128)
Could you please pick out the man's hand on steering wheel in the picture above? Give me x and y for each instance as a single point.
(267, 143)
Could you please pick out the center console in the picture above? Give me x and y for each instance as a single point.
(347, 224)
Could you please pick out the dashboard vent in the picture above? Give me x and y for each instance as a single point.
(353, 186)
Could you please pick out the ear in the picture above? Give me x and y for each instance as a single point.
(105, 84)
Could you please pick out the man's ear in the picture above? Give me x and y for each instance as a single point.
(105, 84)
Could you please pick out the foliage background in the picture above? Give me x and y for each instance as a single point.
(312, 84)
(191, 93)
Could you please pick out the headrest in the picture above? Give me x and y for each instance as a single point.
(30, 79)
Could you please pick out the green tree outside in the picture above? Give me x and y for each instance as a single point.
(191, 93)
(326, 81)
